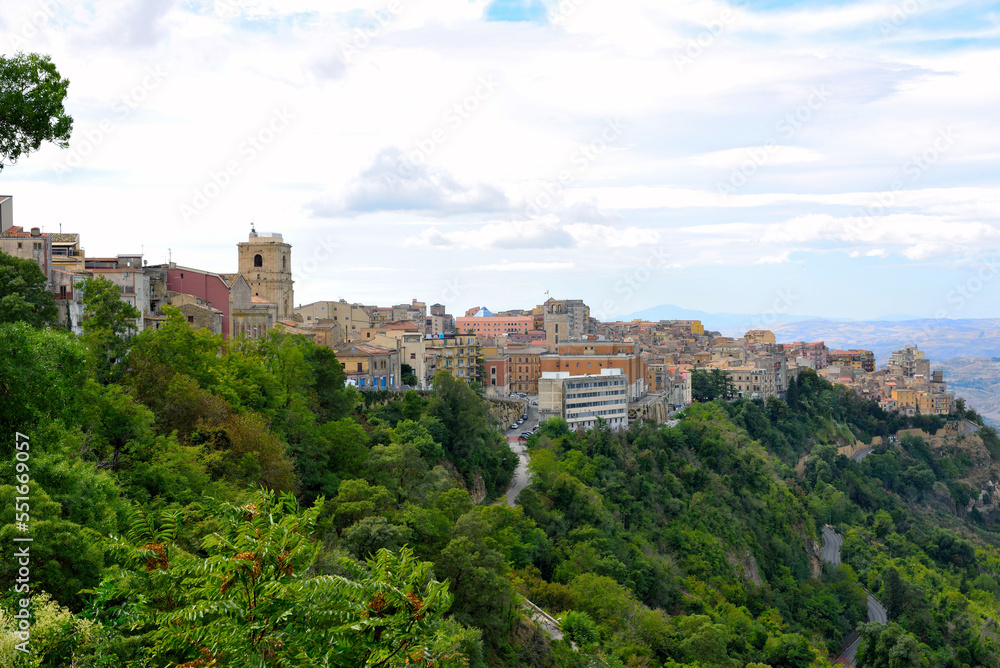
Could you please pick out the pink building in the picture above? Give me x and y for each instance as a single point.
(496, 381)
(814, 352)
(486, 325)
(207, 285)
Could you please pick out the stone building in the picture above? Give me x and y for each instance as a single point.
(265, 261)
(353, 318)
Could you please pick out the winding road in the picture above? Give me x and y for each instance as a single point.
(831, 545)
(858, 456)
(521, 479)
(832, 542)
(521, 475)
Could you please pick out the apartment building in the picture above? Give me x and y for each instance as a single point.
(591, 355)
(351, 317)
(564, 319)
(496, 379)
(525, 367)
(369, 366)
(863, 360)
(582, 400)
(815, 353)
(754, 383)
(455, 353)
(487, 325)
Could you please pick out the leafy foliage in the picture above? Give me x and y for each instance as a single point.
(32, 94)
(24, 294)
(245, 596)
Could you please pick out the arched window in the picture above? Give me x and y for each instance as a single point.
(284, 261)
(258, 261)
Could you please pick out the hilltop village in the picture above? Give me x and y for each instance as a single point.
(579, 368)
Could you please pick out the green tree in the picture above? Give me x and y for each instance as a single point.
(43, 377)
(24, 295)
(31, 106)
(711, 385)
(896, 593)
(580, 628)
(407, 375)
(107, 324)
(246, 597)
(889, 646)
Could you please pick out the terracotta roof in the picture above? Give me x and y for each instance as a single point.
(18, 233)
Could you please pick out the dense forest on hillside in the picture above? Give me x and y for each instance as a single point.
(198, 503)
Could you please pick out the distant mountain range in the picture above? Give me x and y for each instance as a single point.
(941, 338)
(964, 349)
(728, 323)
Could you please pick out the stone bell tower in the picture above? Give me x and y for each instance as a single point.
(265, 262)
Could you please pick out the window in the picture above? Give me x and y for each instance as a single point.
(258, 261)
(413, 356)
(191, 318)
(20, 245)
(359, 366)
(62, 292)
(284, 261)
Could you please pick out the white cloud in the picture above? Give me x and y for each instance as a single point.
(525, 266)
(230, 63)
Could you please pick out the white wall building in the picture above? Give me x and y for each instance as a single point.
(581, 400)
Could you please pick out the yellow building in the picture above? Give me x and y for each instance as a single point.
(351, 317)
(369, 366)
(904, 397)
(525, 368)
(693, 326)
(455, 354)
(935, 404)
(67, 255)
(857, 359)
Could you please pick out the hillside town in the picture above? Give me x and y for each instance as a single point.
(575, 366)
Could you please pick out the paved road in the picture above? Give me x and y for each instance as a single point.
(861, 455)
(850, 653)
(831, 545)
(831, 554)
(876, 613)
(522, 477)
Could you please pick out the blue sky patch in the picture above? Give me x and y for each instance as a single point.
(516, 10)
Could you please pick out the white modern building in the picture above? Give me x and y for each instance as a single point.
(581, 400)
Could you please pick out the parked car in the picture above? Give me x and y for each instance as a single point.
(514, 426)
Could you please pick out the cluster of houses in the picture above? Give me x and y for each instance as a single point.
(581, 369)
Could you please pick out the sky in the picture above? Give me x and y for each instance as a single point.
(839, 159)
